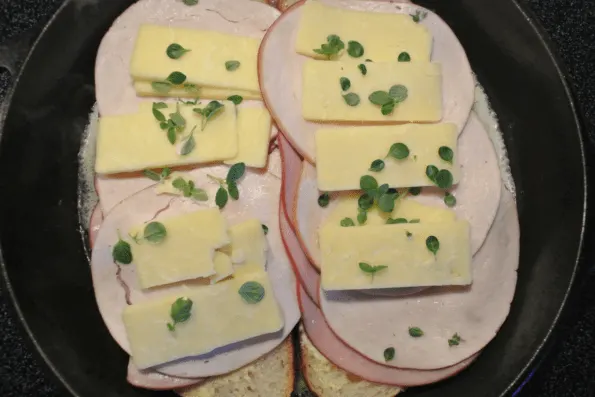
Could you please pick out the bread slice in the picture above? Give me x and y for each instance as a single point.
(327, 380)
(270, 376)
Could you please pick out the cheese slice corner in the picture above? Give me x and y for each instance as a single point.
(248, 243)
(254, 133)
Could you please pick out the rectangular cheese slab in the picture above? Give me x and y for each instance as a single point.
(254, 134)
(144, 88)
(409, 209)
(383, 35)
(203, 65)
(185, 253)
(409, 262)
(134, 142)
(219, 317)
(344, 155)
(248, 243)
(223, 267)
(322, 95)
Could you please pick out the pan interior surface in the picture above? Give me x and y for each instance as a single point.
(44, 258)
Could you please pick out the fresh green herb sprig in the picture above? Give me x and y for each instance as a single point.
(333, 46)
(355, 49)
(174, 79)
(399, 151)
(173, 125)
(414, 191)
(190, 2)
(449, 200)
(389, 354)
(367, 268)
(363, 69)
(324, 199)
(122, 252)
(180, 311)
(352, 99)
(419, 16)
(189, 143)
(210, 111)
(446, 154)
(433, 244)
(362, 216)
(396, 221)
(404, 57)
(388, 100)
(455, 340)
(347, 222)
(345, 83)
(441, 178)
(157, 177)
(232, 66)
(236, 99)
(377, 165)
(228, 187)
(188, 189)
(382, 195)
(154, 232)
(252, 292)
(176, 51)
(416, 332)
(265, 229)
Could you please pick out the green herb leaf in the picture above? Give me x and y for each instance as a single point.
(408, 234)
(152, 175)
(367, 268)
(414, 191)
(389, 354)
(236, 172)
(355, 49)
(345, 83)
(446, 153)
(362, 217)
(398, 92)
(178, 119)
(365, 202)
(190, 2)
(176, 78)
(444, 179)
(391, 221)
(232, 65)
(455, 340)
(377, 165)
(351, 99)
(324, 199)
(180, 312)
(188, 146)
(155, 232)
(236, 99)
(362, 68)
(175, 51)
(179, 183)
(221, 197)
(419, 16)
(404, 57)
(252, 292)
(414, 221)
(387, 108)
(162, 87)
(431, 172)
(380, 98)
(165, 172)
(265, 229)
(398, 151)
(122, 252)
(450, 200)
(383, 189)
(433, 244)
(192, 88)
(346, 222)
(212, 109)
(200, 195)
(416, 332)
(156, 113)
(386, 202)
(159, 105)
(171, 135)
(333, 46)
(368, 183)
(368, 60)
(232, 188)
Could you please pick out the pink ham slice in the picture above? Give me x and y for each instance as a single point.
(95, 224)
(153, 380)
(292, 169)
(349, 360)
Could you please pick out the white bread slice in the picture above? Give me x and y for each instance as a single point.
(327, 380)
(270, 376)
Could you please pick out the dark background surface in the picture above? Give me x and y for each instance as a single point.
(568, 371)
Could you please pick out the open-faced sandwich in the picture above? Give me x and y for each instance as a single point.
(258, 163)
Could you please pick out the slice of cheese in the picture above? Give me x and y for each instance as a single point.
(135, 142)
(402, 248)
(408, 209)
(343, 155)
(384, 36)
(203, 65)
(223, 267)
(248, 243)
(322, 95)
(185, 253)
(254, 134)
(219, 317)
(144, 88)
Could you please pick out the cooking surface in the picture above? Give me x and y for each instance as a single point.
(567, 372)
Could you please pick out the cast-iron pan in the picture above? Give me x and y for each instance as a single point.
(45, 264)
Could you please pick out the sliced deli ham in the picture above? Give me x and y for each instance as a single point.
(280, 69)
(346, 358)
(474, 313)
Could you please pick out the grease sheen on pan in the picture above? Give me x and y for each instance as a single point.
(280, 71)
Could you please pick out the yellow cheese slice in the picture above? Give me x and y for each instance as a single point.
(223, 267)
(248, 243)
(203, 65)
(135, 142)
(346, 207)
(382, 35)
(144, 88)
(219, 317)
(185, 253)
(254, 134)
(322, 95)
(343, 155)
(402, 248)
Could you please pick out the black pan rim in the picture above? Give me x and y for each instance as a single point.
(539, 353)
